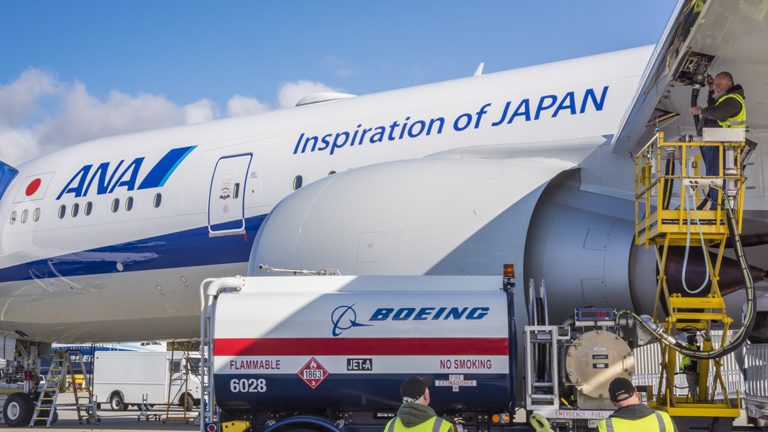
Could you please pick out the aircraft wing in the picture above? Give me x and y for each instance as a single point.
(731, 36)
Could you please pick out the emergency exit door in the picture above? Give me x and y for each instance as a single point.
(226, 203)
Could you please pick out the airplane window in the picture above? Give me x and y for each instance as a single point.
(75, 209)
(13, 218)
(297, 182)
(332, 173)
(62, 211)
(88, 208)
(24, 215)
(36, 214)
(115, 205)
(158, 199)
(129, 204)
(236, 191)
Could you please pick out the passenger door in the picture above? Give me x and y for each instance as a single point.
(226, 203)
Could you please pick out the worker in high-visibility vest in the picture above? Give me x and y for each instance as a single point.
(414, 414)
(726, 109)
(630, 414)
(691, 367)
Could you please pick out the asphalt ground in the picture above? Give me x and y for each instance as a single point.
(117, 420)
(129, 420)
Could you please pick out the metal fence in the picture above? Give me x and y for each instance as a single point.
(648, 370)
(756, 370)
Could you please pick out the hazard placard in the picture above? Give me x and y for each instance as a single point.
(313, 373)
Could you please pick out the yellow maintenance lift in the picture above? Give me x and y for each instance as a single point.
(661, 223)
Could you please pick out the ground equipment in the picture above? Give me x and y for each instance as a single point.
(662, 223)
(330, 352)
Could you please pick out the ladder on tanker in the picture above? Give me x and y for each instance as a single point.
(65, 365)
(662, 222)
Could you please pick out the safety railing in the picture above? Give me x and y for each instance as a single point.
(667, 203)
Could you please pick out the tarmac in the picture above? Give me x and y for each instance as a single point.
(118, 420)
(129, 420)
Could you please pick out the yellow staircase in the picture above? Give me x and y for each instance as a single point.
(661, 222)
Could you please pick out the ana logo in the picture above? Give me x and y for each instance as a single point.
(108, 180)
(344, 318)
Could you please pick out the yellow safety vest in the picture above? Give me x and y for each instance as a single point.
(698, 6)
(684, 362)
(435, 424)
(740, 121)
(657, 422)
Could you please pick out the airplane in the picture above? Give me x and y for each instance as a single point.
(110, 239)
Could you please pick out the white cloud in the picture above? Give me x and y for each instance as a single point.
(83, 117)
(200, 111)
(20, 98)
(241, 105)
(17, 145)
(289, 93)
(29, 129)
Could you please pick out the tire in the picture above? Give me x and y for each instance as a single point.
(18, 410)
(116, 402)
(190, 402)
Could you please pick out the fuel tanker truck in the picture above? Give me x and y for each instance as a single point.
(324, 352)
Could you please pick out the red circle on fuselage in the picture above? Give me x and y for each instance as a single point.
(33, 186)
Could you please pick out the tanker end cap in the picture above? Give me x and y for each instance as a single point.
(236, 283)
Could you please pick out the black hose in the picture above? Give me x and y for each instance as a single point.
(745, 329)
(668, 184)
(695, 102)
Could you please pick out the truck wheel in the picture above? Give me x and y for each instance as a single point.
(116, 402)
(190, 402)
(18, 410)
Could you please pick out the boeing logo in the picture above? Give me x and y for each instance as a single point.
(344, 318)
(429, 313)
(80, 184)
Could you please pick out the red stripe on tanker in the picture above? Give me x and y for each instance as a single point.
(361, 346)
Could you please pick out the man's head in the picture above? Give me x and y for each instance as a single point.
(622, 392)
(691, 338)
(723, 83)
(414, 389)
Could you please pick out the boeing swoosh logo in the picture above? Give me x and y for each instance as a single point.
(344, 318)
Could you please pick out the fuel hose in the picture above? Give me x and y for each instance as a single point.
(746, 328)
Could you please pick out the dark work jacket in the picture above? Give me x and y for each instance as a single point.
(726, 109)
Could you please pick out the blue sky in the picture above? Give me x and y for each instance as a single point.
(78, 70)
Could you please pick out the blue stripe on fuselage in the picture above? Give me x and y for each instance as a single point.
(189, 248)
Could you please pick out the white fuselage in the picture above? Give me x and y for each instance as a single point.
(135, 274)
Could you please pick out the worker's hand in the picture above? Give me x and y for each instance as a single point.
(710, 82)
(696, 110)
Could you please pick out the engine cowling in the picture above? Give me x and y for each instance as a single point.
(447, 216)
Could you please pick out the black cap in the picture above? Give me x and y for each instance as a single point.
(621, 389)
(414, 387)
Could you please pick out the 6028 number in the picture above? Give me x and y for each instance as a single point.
(248, 385)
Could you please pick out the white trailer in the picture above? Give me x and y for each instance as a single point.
(122, 378)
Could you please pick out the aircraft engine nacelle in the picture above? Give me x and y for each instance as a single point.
(425, 216)
(441, 216)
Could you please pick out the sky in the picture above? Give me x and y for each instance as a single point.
(72, 71)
